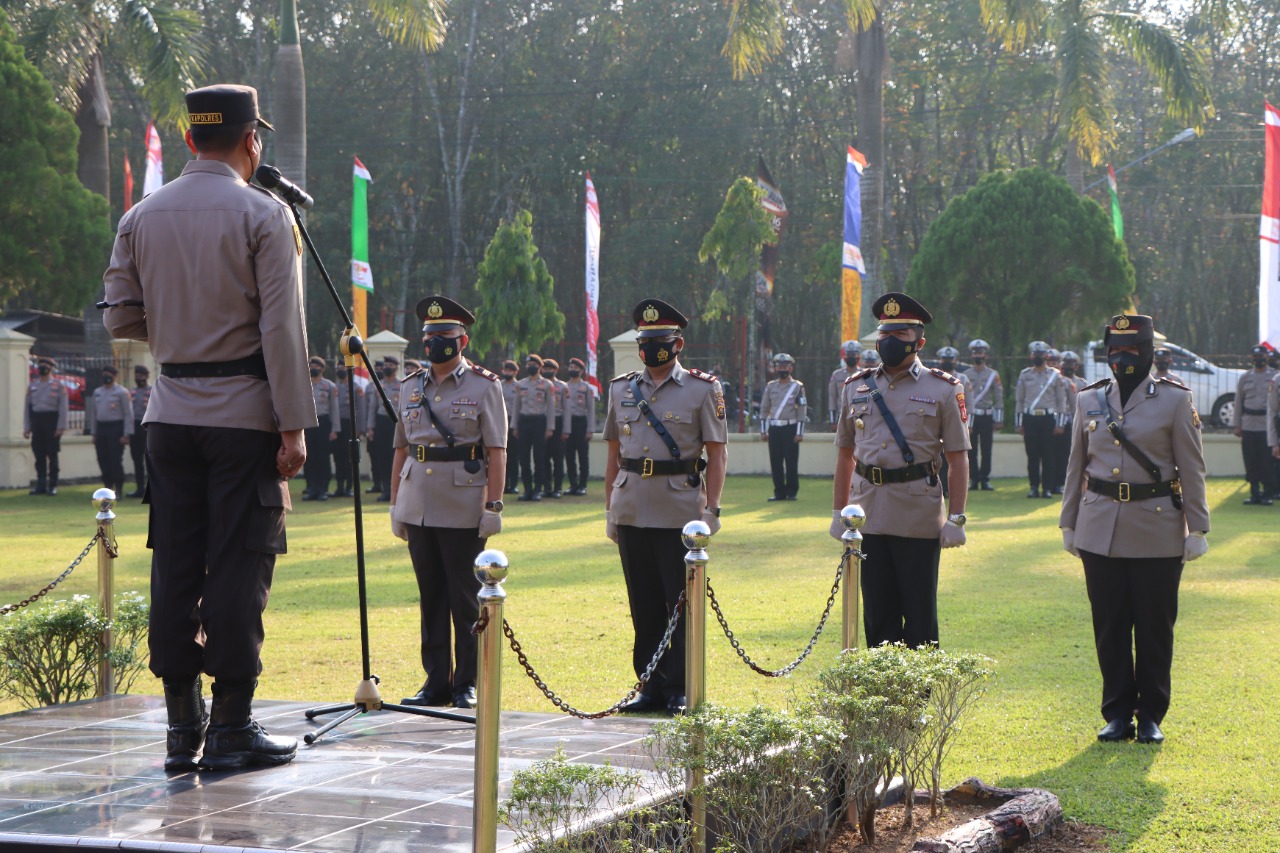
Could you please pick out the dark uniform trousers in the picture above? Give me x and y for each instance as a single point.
(45, 445)
(980, 434)
(216, 526)
(341, 457)
(1037, 438)
(1134, 603)
(533, 452)
(381, 451)
(1257, 461)
(1061, 452)
(653, 567)
(784, 460)
(513, 463)
(106, 443)
(899, 590)
(138, 450)
(316, 468)
(443, 560)
(555, 456)
(577, 453)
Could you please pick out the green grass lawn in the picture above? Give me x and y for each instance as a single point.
(1011, 594)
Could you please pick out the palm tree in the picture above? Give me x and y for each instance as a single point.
(1084, 36)
(77, 43)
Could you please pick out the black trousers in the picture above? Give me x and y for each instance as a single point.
(555, 456)
(533, 452)
(653, 567)
(1061, 452)
(1134, 603)
(45, 445)
(1037, 438)
(138, 450)
(900, 590)
(374, 484)
(982, 429)
(577, 454)
(443, 558)
(216, 526)
(784, 460)
(316, 469)
(106, 443)
(341, 459)
(1258, 469)
(382, 450)
(513, 462)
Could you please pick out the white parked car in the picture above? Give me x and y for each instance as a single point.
(1213, 387)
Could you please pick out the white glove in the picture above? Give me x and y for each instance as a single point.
(490, 523)
(952, 535)
(1195, 547)
(1069, 541)
(610, 528)
(399, 529)
(711, 520)
(837, 526)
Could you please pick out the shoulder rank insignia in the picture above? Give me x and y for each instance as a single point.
(1100, 383)
(481, 371)
(701, 374)
(1175, 383)
(942, 374)
(411, 375)
(858, 375)
(625, 377)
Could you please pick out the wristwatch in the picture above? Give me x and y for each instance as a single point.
(715, 512)
(957, 519)
(496, 506)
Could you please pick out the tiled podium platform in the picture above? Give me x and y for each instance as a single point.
(90, 775)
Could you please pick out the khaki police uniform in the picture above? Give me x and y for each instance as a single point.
(44, 417)
(208, 270)
(783, 410)
(1040, 407)
(835, 385)
(140, 395)
(1273, 412)
(1251, 424)
(513, 463)
(986, 416)
(111, 419)
(1061, 444)
(317, 471)
(556, 443)
(382, 430)
(343, 486)
(534, 416)
(580, 414)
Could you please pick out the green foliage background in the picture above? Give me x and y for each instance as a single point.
(517, 310)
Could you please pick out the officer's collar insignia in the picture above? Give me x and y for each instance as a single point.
(915, 370)
(891, 308)
(1122, 323)
(434, 311)
(1151, 389)
(650, 314)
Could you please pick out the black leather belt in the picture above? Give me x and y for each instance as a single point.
(879, 476)
(648, 467)
(252, 365)
(1253, 411)
(460, 453)
(1135, 491)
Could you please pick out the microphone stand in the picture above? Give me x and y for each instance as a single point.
(367, 697)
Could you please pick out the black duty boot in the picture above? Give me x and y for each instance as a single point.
(40, 488)
(188, 721)
(235, 739)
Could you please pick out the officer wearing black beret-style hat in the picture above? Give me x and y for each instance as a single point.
(44, 418)
(580, 415)
(510, 372)
(1251, 427)
(111, 424)
(532, 419)
(320, 437)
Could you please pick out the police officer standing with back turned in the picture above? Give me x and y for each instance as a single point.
(660, 421)
(208, 270)
(112, 427)
(533, 418)
(895, 420)
(446, 486)
(141, 395)
(783, 409)
(44, 419)
(986, 415)
(1251, 428)
(581, 417)
(1134, 512)
(1041, 402)
(850, 352)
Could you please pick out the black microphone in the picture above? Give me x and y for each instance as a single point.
(271, 178)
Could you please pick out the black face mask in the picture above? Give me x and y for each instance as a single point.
(548, 374)
(1068, 370)
(979, 360)
(1037, 360)
(532, 370)
(107, 379)
(341, 374)
(574, 374)
(315, 371)
(442, 349)
(508, 377)
(851, 362)
(894, 351)
(949, 366)
(1259, 362)
(1163, 366)
(657, 353)
(389, 372)
(43, 371)
(782, 374)
(1125, 365)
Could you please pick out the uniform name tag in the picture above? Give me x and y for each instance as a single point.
(924, 400)
(1092, 412)
(861, 399)
(631, 403)
(465, 403)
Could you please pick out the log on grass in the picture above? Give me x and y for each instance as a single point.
(1025, 813)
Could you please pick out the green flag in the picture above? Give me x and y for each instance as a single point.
(1117, 221)
(361, 273)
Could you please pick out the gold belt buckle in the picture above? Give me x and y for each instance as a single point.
(1124, 492)
(421, 453)
(646, 468)
(877, 475)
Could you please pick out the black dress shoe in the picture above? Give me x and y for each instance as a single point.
(1117, 730)
(53, 492)
(1054, 492)
(465, 698)
(677, 705)
(791, 497)
(973, 485)
(1033, 494)
(773, 498)
(1046, 495)
(556, 494)
(308, 495)
(987, 487)
(510, 491)
(644, 704)
(528, 497)
(427, 697)
(1149, 732)
(384, 498)
(322, 496)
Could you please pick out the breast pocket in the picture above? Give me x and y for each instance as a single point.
(684, 428)
(928, 412)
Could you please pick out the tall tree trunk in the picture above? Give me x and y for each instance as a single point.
(870, 135)
(290, 102)
(1075, 167)
(94, 120)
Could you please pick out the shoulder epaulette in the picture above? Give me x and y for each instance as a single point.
(1175, 383)
(702, 374)
(859, 374)
(1099, 384)
(485, 372)
(625, 376)
(942, 374)
(415, 373)
(1024, 370)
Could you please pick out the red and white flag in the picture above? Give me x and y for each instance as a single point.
(128, 184)
(593, 281)
(154, 179)
(1269, 236)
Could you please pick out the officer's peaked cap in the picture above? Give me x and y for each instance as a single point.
(657, 319)
(224, 104)
(898, 311)
(439, 313)
(1129, 330)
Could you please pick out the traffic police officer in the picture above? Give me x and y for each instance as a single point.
(870, 358)
(112, 427)
(895, 420)
(850, 351)
(446, 489)
(1134, 512)
(44, 419)
(947, 358)
(533, 418)
(510, 370)
(381, 428)
(559, 430)
(341, 447)
(1251, 428)
(1040, 406)
(986, 416)
(208, 270)
(783, 410)
(1164, 365)
(660, 421)
(141, 395)
(582, 425)
(321, 436)
(1068, 365)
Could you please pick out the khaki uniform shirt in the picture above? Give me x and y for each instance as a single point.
(325, 395)
(1251, 393)
(45, 395)
(469, 403)
(141, 396)
(218, 264)
(509, 397)
(376, 409)
(111, 403)
(535, 395)
(834, 386)
(1161, 420)
(691, 407)
(987, 397)
(581, 403)
(1052, 402)
(929, 407)
(1273, 411)
(1072, 384)
(772, 410)
(562, 400)
(344, 404)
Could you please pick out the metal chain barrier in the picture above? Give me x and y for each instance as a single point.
(9, 608)
(789, 668)
(616, 706)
